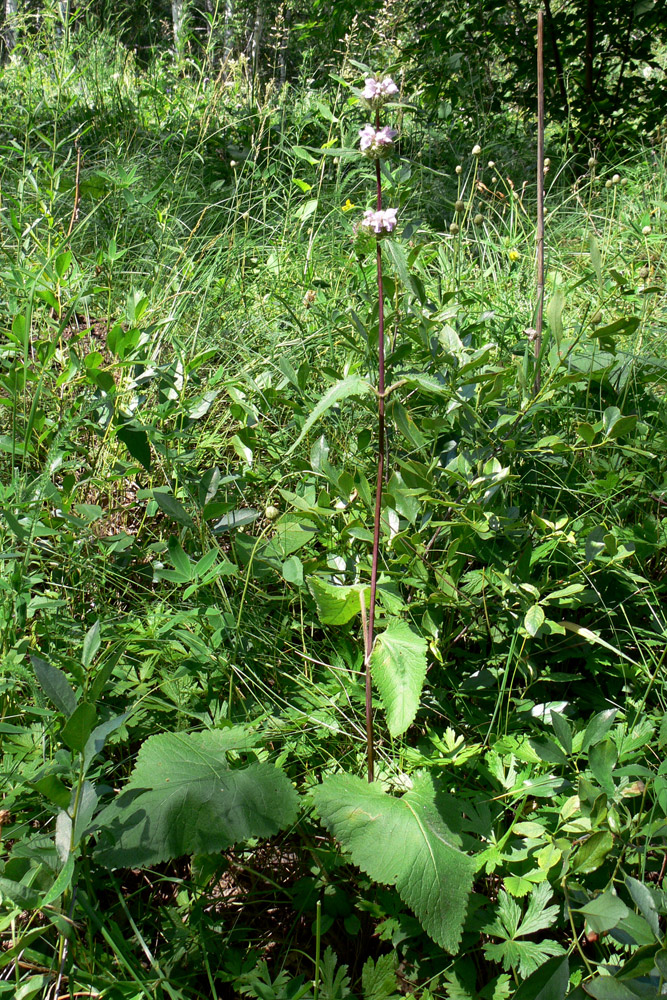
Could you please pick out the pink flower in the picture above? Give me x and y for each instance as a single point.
(382, 221)
(376, 143)
(390, 220)
(376, 92)
(385, 136)
(366, 137)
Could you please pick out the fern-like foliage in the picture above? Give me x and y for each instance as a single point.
(509, 924)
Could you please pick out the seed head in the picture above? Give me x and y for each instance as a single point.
(459, 206)
(479, 219)
(591, 161)
(646, 230)
(616, 179)
(453, 228)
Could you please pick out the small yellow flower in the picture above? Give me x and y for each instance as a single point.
(514, 255)
(348, 206)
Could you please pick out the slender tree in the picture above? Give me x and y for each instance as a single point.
(10, 31)
(179, 14)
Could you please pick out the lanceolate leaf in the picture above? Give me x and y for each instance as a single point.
(183, 798)
(55, 685)
(398, 665)
(408, 842)
(353, 385)
(548, 982)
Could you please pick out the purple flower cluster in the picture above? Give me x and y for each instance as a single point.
(382, 221)
(378, 92)
(376, 142)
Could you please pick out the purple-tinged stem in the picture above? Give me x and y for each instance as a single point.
(378, 487)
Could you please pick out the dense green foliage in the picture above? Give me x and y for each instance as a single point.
(188, 449)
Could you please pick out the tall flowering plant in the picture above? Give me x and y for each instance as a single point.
(377, 142)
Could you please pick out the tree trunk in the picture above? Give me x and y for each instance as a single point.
(62, 24)
(10, 32)
(282, 53)
(590, 50)
(211, 9)
(560, 76)
(256, 43)
(228, 33)
(179, 15)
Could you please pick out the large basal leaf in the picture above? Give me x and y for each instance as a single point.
(183, 798)
(398, 666)
(409, 842)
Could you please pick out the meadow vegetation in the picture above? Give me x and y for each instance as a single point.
(188, 452)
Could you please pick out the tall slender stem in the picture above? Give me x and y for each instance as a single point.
(378, 486)
(540, 199)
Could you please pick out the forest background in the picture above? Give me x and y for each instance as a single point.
(242, 572)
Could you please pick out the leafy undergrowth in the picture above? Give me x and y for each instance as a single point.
(188, 452)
